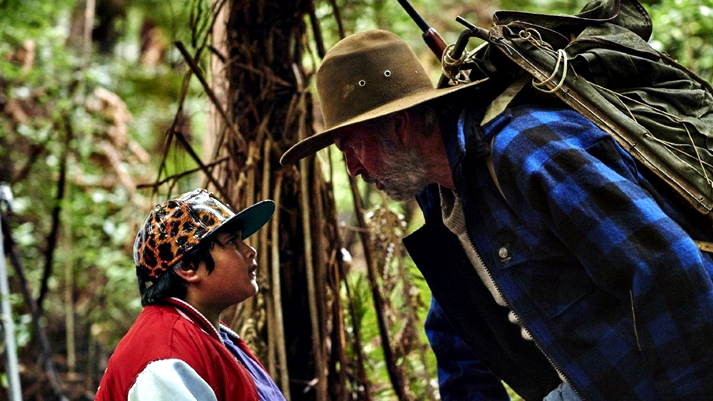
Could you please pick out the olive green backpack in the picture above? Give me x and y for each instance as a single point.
(599, 63)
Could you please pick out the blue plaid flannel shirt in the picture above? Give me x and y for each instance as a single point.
(591, 257)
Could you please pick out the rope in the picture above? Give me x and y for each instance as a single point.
(534, 37)
(698, 156)
(561, 59)
(449, 65)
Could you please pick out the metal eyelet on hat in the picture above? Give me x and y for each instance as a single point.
(387, 73)
(362, 83)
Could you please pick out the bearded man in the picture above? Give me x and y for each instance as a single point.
(555, 265)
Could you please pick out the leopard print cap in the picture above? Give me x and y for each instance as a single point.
(174, 227)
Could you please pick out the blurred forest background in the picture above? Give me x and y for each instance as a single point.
(108, 107)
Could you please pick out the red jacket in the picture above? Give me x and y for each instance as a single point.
(172, 349)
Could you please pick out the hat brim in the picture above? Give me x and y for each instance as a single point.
(249, 220)
(314, 143)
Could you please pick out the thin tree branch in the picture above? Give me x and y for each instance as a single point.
(320, 376)
(317, 32)
(34, 155)
(182, 174)
(169, 136)
(45, 349)
(187, 146)
(276, 291)
(338, 18)
(56, 213)
(318, 220)
(394, 373)
(242, 145)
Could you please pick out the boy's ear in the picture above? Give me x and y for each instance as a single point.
(190, 275)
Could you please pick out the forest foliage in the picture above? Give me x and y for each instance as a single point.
(84, 108)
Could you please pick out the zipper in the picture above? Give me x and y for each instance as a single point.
(520, 321)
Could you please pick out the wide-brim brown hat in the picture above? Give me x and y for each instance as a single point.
(365, 76)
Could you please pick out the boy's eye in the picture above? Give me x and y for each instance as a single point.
(232, 241)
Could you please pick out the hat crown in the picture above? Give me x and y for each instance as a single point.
(175, 227)
(365, 72)
(365, 76)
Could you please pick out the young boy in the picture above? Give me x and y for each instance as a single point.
(192, 264)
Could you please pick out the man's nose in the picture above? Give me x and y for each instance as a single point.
(353, 166)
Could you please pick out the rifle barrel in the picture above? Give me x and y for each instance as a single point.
(422, 24)
(433, 40)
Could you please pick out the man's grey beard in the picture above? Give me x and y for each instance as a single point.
(404, 173)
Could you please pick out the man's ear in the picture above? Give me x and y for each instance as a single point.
(190, 275)
(402, 122)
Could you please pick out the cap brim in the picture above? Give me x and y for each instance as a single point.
(314, 143)
(250, 219)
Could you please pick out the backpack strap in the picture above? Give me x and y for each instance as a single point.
(498, 105)
(495, 108)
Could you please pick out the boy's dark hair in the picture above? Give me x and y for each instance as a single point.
(171, 284)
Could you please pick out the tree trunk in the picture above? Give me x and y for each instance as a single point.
(302, 324)
(271, 107)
